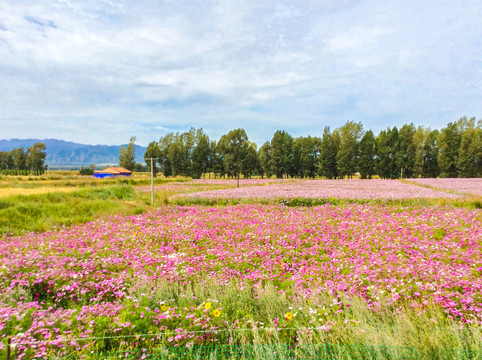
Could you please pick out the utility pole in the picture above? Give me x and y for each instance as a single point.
(152, 179)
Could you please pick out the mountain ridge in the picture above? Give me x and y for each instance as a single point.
(71, 154)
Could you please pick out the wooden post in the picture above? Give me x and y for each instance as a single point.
(152, 181)
(8, 348)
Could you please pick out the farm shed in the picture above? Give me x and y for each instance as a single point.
(112, 171)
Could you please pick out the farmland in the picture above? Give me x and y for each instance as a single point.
(341, 189)
(392, 265)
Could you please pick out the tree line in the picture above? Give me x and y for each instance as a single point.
(408, 151)
(23, 162)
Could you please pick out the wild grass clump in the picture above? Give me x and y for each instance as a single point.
(41, 205)
(472, 202)
(40, 212)
(263, 321)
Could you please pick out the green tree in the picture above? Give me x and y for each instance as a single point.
(449, 145)
(176, 154)
(419, 139)
(142, 168)
(426, 152)
(234, 148)
(164, 143)
(85, 171)
(3, 160)
(127, 156)
(216, 162)
(7, 160)
(189, 141)
(281, 161)
(251, 161)
(152, 151)
(469, 162)
(264, 155)
(200, 155)
(386, 145)
(327, 157)
(36, 156)
(179, 150)
(306, 151)
(348, 152)
(367, 155)
(430, 155)
(405, 157)
(19, 159)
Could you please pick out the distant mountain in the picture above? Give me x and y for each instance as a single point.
(69, 154)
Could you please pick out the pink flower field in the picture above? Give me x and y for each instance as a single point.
(342, 189)
(106, 277)
(209, 184)
(242, 182)
(468, 186)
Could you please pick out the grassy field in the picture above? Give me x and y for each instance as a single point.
(60, 198)
(47, 209)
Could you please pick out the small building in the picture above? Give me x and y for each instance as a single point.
(112, 171)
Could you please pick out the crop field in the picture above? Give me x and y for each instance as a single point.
(344, 189)
(403, 280)
(466, 186)
(6, 192)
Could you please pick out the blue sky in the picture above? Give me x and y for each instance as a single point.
(99, 71)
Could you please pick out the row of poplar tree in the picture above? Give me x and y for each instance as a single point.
(454, 151)
(22, 162)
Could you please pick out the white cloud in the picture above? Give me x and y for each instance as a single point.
(79, 69)
(356, 39)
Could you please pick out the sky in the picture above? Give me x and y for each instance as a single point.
(100, 71)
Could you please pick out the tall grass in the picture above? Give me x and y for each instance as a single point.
(38, 203)
(40, 212)
(354, 333)
(42, 208)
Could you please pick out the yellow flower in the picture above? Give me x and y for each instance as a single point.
(217, 313)
(207, 306)
(163, 307)
(288, 316)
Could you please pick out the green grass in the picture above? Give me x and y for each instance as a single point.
(282, 352)
(80, 181)
(43, 211)
(468, 202)
(90, 198)
(355, 333)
